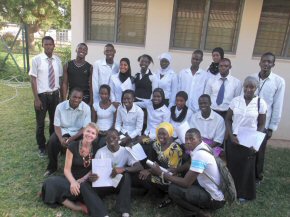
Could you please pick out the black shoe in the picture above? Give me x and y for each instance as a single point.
(49, 173)
(42, 153)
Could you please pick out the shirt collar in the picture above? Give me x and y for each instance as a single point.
(210, 117)
(104, 63)
(133, 109)
(44, 56)
(199, 71)
(162, 108)
(67, 106)
(271, 76)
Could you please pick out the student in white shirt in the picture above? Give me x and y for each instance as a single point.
(104, 114)
(124, 164)
(195, 199)
(217, 55)
(103, 69)
(232, 88)
(166, 79)
(209, 123)
(121, 81)
(247, 111)
(157, 112)
(193, 80)
(129, 119)
(180, 113)
(272, 89)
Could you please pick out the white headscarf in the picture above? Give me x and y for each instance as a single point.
(169, 58)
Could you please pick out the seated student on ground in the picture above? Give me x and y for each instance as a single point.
(248, 112)
(195, 198)
(180, 113)
(168, 154)
(210, 124)
(65, 190)
(157, 112)
(118, 80)
(129, 121)
(71, 116)
(104, 114)
(124, 164)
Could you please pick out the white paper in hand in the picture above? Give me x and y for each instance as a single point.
(250, 138)
(137, 152)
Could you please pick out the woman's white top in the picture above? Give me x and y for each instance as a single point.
(176, 124)
(117, 87)
(246, 115)
(130, 122)
(105, 117)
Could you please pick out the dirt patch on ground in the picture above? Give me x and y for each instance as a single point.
(277, 143)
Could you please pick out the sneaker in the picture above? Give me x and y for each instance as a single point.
(49, 173)
(42, 153)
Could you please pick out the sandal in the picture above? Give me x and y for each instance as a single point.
(165, 203)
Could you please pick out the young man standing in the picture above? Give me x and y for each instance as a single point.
(103, 69)
(271, 89)
(44, 74)
(222, 88)
(195, 199)
(193, 80)
(78, 73)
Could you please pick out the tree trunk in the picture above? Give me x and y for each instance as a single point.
(32, 28)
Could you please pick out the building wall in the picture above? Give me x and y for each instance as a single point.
(158, 37)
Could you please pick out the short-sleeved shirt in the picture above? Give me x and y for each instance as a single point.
(71, 120)
(204, 162)
(39, 70)
(105, 117)
(246, 115)
(120, 158)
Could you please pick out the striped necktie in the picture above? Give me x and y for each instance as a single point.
(51, 76)
(221, 93)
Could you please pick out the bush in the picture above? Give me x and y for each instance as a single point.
(64, 53)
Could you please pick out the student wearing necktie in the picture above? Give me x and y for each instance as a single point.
(44, 73)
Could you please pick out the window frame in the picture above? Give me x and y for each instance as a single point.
(87, 22)
(204, 31)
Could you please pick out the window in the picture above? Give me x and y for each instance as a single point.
(206, 24)
(121, 21)
(273, 32)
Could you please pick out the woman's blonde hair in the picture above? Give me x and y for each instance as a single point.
(94, 126)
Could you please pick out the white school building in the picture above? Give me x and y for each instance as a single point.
(244, 28)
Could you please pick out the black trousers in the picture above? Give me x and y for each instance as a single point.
(260, 158)
(92, 197)
(49, 103)
(53, 149)
(193, 199)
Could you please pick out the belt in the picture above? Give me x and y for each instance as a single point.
(50, 93)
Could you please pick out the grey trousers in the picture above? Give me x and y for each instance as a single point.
(191, 200)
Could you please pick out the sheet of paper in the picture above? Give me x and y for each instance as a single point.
(150, 164)
(116, 180)
(181, 130)
(250, 138)
(126, 85)
(137, 152)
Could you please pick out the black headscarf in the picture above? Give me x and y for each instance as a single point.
(124, 76)
(159, 90)
(214, 67)
(183, 113)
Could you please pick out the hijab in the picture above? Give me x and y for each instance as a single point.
(124, 76)
(168, 57)
(159, 90)
(214, 67)
(166, 126)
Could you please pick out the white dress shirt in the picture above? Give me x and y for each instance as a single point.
(101, 75)
(71, 120)
(130, 122)
(39, 69)
(105, 117)
(233, 88)
(246, 115)
(168, 83)
(154, 117)
(193, 85)
(117, 87)
(272, 90)
(212, 128)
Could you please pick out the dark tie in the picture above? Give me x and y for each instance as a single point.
(51, 77)
(221, 93)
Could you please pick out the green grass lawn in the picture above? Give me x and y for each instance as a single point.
(21, 172)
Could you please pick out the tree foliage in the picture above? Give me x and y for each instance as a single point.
(37, 14)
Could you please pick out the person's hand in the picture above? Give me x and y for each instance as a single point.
(116, 171)
(116, 104)
(38, 104)
(143, 139)
(173, 171)
(125, 141)
(155, 169)
(68, 140)
(63, 142)
(93, 177)
(75, 188)
(234, 139)
(269, 133)
(143, 174)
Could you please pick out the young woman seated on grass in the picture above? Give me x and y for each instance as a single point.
(65, 190)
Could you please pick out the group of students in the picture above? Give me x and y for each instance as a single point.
(146, 109)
